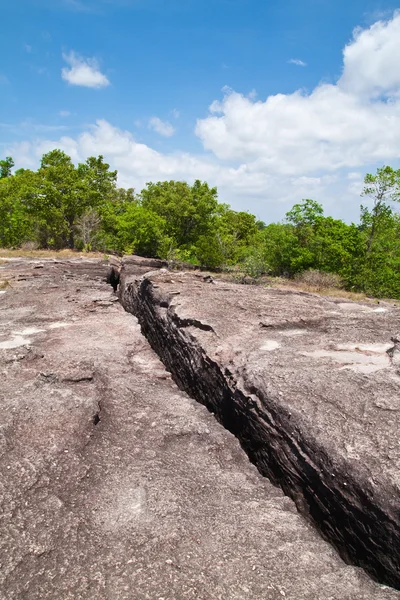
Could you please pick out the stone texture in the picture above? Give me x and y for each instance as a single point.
(114, 484)
(310, 387)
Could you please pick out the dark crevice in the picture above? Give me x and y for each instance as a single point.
(361, 521)
(78, 379)
(97, 415)
(189, 322)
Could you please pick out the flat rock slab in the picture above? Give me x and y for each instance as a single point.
(309, 385)
(114, 484)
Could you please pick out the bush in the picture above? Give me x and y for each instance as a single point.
(29, 246)
(319, 279)
(254, 265)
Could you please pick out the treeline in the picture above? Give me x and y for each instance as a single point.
(62, 205)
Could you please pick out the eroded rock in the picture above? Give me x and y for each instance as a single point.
(114, 484)
(307, 384)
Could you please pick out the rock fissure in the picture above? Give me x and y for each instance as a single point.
(182, 323)
(107, 511)
(362, 523)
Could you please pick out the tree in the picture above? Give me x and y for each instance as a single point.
(53, 205)
(87, 227)
(382, 188)
(305, 213)
(280, 248)
(336, 247)
(16, 226)
(188, 210)
(97, 179)
(66, 193)
(5, 167)
(141, 231)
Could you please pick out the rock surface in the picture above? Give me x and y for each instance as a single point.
(114, 484)
(310, 387)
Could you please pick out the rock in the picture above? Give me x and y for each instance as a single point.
(138, 262)
(298, 390)
(110, 470)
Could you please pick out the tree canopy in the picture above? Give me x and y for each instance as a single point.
(81, 206)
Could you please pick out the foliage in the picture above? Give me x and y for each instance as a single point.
(188, 211)
(64, 205)
(319, 280)
(5, 167)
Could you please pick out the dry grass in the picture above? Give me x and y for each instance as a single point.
(320, 280)
(4, 284)
(324, 286)
(21, 253)
(333, 292)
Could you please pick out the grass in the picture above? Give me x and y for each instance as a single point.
(297, 285)
(333, 292)
(20, 253)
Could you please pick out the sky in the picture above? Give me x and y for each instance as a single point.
(272, 101)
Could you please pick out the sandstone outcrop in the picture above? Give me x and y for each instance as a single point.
(115, 484)
(310, 387)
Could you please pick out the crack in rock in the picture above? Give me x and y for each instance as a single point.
(361, 523)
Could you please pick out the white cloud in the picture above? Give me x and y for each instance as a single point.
(28, 48)
(371, 60)
(297, 61)
(334, 126)
(161, 127)
(175, 113)
(83, 71)
(64, 113)
(265, 155)
(245, 187)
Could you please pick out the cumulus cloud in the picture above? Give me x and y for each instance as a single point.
(161, 127)
(83, 72)
(264, 155)
(297, 61)
(370, 61)
(245, 187)
(335, 126)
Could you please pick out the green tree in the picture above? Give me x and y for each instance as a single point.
(66, 193)
(16, 226)
(188, 211)
(305, 213)
(280, 248)
(382, 187)
(5, 167)
(140, 231)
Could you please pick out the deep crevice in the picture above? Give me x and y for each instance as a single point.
(360, 521)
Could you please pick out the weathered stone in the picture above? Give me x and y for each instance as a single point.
(114, 484)
(307, 385)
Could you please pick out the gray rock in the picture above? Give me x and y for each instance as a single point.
(304, 383)
(114, 484)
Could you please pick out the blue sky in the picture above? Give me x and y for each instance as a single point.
(134, 80)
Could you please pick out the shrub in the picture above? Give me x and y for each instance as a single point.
(254, 265)
(319, 280)
(29, 246)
